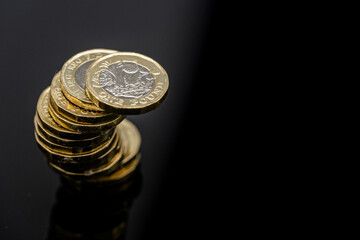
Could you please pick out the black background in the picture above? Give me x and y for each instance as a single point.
(182, 195)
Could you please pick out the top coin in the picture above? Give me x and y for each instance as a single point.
(127, 83)
(73, 77)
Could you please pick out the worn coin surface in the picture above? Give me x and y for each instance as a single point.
(125, 82)
(71, 111)
(73, 77)
(44, 117)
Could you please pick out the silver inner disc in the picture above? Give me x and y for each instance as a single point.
(127, 80)
(80, 74)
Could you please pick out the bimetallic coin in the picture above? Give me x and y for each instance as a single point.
(82, 127)
(128, 83)
(90, 142)
(73, 77)
(42, 111)
(73, 112)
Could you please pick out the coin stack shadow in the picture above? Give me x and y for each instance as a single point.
(81, 144)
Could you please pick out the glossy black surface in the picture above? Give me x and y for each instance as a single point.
(178, 173)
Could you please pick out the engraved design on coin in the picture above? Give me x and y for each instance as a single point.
(127, 80)
(80, 74)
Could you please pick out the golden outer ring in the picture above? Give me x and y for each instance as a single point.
(116, 157)
(81, 127)
(71, 89)
(131, 140)
(74, 159)
(107, 160)
(42, 111)
(106, 101)
(130, 145)
(60, 103)
(66, 149)
(69, 142)
(122, 172)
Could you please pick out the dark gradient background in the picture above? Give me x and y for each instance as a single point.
(180, 165)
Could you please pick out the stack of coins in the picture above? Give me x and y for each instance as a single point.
(80, 123)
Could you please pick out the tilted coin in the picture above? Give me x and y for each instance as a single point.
(82, 127)
(66, 149)
(112, 157)
(89, 142)
(130, 145)
(129, 83)
(60, 103)
(73, 77)
(78, 159)
(42, 111)
(120, 173)
(131, 140)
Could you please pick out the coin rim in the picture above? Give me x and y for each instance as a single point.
(63, 149)
(77, 158)
(57, 130)
(117, 157)
(76, 94)
(81, 127)
(120, 173)
(95, 117)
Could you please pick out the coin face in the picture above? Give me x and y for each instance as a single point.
(73, 77)
(126, 80)
(129, 83)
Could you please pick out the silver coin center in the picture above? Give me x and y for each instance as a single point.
(127, 80)
(80, 74)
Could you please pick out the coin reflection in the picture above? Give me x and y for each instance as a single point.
(93, 211)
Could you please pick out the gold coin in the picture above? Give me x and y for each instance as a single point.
(82, 127)
(44, 117)
(130, 145)
(128, 83)
(73, 77)
(73, 112)
(121, 173)
(81, 159)
(90, 142)
(113, 156)
(131, 142)
(66, 149)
